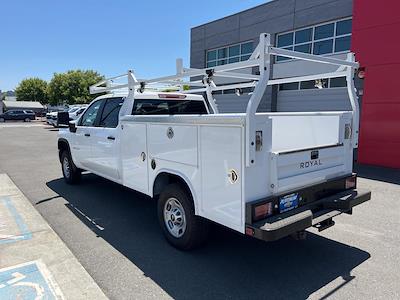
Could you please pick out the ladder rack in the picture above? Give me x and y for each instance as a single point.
(261, 58)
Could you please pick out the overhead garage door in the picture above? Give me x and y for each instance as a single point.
(333, 99)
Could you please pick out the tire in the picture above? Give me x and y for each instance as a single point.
(72, 175)
(27, 120)
(181, 227)
(2, 120)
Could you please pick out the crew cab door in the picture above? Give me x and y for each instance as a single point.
(83, 137)
(106, 140)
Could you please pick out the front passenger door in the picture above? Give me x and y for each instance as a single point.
(83, 139)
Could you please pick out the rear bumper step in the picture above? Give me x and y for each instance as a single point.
(276, 227)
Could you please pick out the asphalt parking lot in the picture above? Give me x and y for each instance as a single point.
(114, 233)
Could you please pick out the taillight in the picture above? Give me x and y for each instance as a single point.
(351, 182)
(171, 96)
(249, 231)
(262, 211)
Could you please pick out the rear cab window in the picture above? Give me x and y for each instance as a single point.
(168, 107)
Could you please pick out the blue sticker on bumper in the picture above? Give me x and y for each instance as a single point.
(288, 202)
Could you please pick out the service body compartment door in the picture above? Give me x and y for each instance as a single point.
(222, 175)
(174, 144)
(134, 157)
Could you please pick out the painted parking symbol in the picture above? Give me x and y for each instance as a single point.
(12, 226)
(28, 281)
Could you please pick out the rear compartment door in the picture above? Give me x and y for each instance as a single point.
(134, 156)
(294, 169)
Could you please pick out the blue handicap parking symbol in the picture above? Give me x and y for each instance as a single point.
(27, 281)
(12, 225)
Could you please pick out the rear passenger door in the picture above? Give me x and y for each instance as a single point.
(106, 140)
(15, 115)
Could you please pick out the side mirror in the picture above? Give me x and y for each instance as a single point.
(72, 127)
(62, 118)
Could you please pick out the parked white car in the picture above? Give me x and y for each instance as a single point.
(266, 175)
(51, 118)
(76, 112)
(73, 113)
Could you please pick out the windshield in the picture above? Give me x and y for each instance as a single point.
(74, 109)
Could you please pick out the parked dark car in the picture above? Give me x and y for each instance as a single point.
(24, 115)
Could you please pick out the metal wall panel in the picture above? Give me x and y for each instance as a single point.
(323, 13)
(380, 121)
(231, 103)
(335, 99)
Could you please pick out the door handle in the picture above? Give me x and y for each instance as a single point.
(143, 156)
(111, 138)
(87, 134)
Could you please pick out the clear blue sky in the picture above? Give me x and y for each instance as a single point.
(38, 38)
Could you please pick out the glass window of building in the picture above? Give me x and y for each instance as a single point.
(327, 38)
(228, 55)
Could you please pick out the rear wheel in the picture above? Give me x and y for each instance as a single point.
(71, 173)
(181, 227)
(27, 120)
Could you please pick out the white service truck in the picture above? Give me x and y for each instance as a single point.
(266, 175)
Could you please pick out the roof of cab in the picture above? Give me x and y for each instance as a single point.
(155, 95)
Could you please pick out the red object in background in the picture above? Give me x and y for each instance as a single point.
(376, 42)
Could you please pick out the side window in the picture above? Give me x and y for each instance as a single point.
(89, 118)
(110, 114)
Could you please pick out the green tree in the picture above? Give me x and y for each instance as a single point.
(32, 89)
(72, 87)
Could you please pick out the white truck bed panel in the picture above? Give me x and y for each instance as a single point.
(300, 132)
(220, 153)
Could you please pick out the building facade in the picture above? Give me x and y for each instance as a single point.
(5, 105)
(324, 27)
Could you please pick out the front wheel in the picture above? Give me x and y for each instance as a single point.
(71, 173)
(181, 227)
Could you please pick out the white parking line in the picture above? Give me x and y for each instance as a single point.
(14, 125)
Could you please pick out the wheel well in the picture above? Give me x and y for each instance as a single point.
(62, 146)
(164, 179)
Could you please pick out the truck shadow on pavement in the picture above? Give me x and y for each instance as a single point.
(229, 266)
